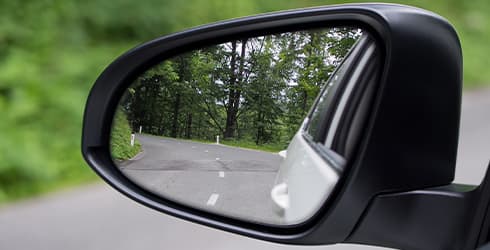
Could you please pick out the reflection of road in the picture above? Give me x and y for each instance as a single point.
(97, 217)
(216, 177)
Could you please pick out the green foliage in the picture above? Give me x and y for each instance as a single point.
(256, 89)
(51, 52)
(472, 22)
(121, 148)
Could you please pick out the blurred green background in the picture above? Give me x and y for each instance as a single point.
(51, 51)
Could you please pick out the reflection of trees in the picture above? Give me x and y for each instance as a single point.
(256, 89)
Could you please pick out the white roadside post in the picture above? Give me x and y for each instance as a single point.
(132, 139)
(141, 128)
(217, 139)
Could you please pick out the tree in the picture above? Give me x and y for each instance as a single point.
(258, 89)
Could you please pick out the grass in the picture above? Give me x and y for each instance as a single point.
(273, 147)
(37, 188)
(248, 144)
(121, 148)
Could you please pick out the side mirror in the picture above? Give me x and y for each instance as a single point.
(311, 126)
(212, 124)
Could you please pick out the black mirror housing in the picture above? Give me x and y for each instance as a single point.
(409, 143)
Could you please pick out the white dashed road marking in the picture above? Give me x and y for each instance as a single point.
(212, 199)
(222, 174)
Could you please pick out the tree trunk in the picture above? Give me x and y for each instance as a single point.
(260, 128)
(199, 121)
(234, 94)
(175, 121)
(230, 115)
(188, 131)
(259, 123)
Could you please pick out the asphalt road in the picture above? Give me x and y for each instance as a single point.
(97, 217)
(474, 140)
(218, 178)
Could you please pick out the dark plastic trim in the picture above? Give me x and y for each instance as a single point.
(433, 218)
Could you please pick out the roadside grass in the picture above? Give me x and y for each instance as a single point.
(121, 148)
(272, 147)
(243, 143)
(38, 187)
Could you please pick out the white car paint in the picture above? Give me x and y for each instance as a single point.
(297, 200)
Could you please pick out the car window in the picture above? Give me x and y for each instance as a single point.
(315, 126)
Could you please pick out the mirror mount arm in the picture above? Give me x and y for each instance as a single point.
(436, 218)
(480, 227)
(454, 216)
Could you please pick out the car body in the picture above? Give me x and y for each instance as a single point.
(314, 165)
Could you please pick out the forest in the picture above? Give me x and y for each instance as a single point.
(253, 90)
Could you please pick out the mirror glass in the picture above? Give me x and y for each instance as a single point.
(240, 128)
